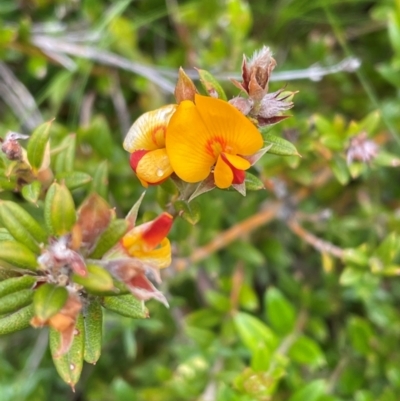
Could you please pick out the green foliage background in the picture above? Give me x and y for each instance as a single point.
(276, 314)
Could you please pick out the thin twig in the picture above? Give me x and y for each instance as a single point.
(19, 99)
(222, 240)
(103, 57)
(317, 243)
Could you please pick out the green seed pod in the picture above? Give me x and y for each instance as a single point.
(16, 321)
(59, 210)
(110, 237)
(14, 284)
(97, 281)
(48, 300)
(126, 305)
(93, 319)
(69, 365)
(36, 149)
(22, 226)
(18, 255)
(15, 301)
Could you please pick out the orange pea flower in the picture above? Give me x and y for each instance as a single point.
(142, 251)
(146, 143)
(148, 242)
(209, 135)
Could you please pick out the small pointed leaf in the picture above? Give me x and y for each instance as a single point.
(93, 320)
(16, 321)
(126, 305)
(69, 366)
(188, 211)
(14, 284)
(18, 255)
(110, 237)
(211, 85)
(279, 146)
(37, 144)
(21, 225)
(73, 179)
(96, 281)
(31, 192)
(15, 301)
(48, 300)
(59, 210)
(100, 180)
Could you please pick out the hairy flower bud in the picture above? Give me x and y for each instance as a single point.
(361, 149)
(11, 147)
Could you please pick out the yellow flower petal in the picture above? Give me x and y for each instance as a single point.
(186, 140)
(225, 121)
(199, 132)
(223, 175)
(154, 166)
(159, 257)
(148, 131)
(237, 161)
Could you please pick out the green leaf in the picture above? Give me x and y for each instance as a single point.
(31, 192)
(361, 334)
(188, 211)
(16, 321)
(69, 366)
(370, 122)
(388, 248)
(126, 305)
(65, 159)
(279, 146)
(386, 159)
(59, 210)
(18, 255)
(73, 179)
(355, 256)
(253, 183)
(133, 213)
(48, 300)
(97, 281)
(307, 351)
(246, 251)
(22, 226)
(37, 144)
(14, 284)
(280, 312)
(340, 170)
(110, 237)
(93, 320)
(14, 301)
(211, 85)
(100, 180)
(309, 392)
(253, 332)
(351, 276)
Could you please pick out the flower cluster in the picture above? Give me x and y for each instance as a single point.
(205, 138)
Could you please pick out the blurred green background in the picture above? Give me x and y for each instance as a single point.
(301, 302)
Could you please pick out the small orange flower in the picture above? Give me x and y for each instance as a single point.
(210, 135)
(146, 143)
(148, 243)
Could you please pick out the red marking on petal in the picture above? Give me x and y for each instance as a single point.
(136, 157)
(238, 175)
(158, 230)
